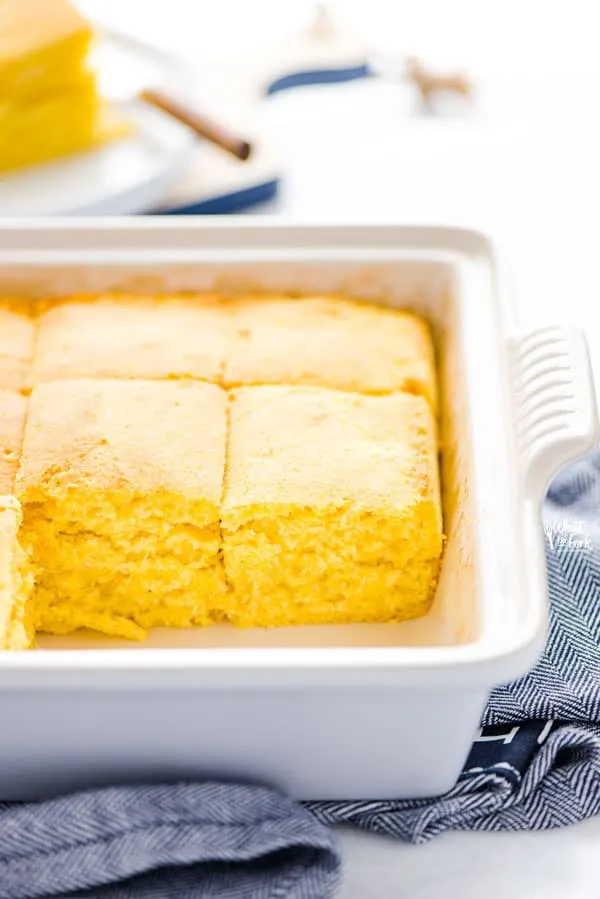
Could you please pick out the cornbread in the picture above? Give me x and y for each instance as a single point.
(16, 581)
(40, 39)
(312, 341)
(331, 510)
(132, 337)
(331, 342)
(120, 483)
(15, 573)
(49, 101)
(184, 460)
(29, 135)
(13, 408)
(16, 343)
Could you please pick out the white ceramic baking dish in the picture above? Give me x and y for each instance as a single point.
(325, 712)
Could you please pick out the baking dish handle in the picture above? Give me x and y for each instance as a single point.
(557, 418)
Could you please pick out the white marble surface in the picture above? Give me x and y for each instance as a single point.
(549, 865)
(522, 165)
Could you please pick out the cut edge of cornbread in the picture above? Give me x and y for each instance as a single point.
(305, 585)
(13, 412)
(107, 561)
(16, 572)
(16, 581)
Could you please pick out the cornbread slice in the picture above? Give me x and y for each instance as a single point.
(30, 136)
(331, 509)
(132, 337)
(120, 484)
(16, 578)
(16, 581)
(16, 342)
(331, 342)
(13, 409)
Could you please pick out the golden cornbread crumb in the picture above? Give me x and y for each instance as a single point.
(120, 483)
(330, 342)
(13, 408)
(135, 337)
(331, 510)
(16, 581)
(16, 575)
(16, 342)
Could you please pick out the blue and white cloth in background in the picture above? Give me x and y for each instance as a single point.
(535, 765)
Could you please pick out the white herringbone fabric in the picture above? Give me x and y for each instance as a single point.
(538, 767)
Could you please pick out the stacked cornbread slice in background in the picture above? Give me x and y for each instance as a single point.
(189, 460)
(49, 101)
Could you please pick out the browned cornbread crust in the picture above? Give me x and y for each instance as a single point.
(328, 341)
(132, 337)
(317, 341)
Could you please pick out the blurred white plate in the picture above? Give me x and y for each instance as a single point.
(128, 176)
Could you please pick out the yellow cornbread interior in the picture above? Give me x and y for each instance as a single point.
(49, 101)
(164, 480)
(16, 581)
(16, 572)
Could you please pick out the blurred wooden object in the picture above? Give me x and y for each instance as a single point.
(429, 83)
(323, 27)
(204, 127)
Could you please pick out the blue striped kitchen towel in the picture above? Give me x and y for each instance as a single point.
(535, 765)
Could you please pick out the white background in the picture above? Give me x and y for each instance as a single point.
(522, 164)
